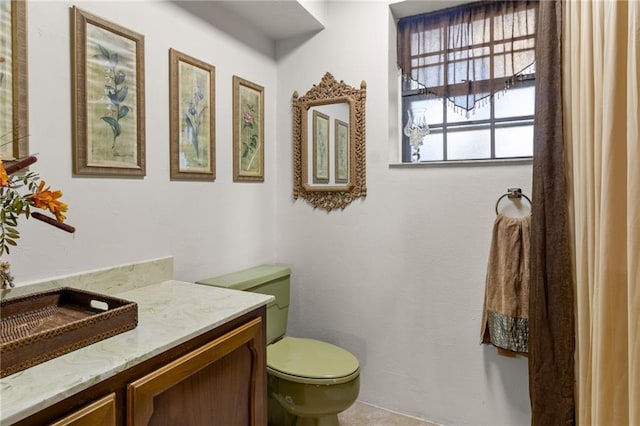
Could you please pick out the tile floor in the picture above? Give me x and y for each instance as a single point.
(361, 414)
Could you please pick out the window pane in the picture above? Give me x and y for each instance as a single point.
(434, 113)
(515, 102)
(457, 115)
(466, 145)
(432, 109)
(514, 142)
(431, 40)
(471, 64)
(431, 149)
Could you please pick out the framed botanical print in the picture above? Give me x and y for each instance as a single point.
(14, 112)
(341, 151)
(320, 147)
(192, 117)
(108, 98)
(248, 131)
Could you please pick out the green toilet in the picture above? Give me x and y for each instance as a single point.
(309, 381)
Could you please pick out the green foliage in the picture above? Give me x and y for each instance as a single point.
(13, 205)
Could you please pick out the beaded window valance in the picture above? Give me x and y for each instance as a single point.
(470, 52)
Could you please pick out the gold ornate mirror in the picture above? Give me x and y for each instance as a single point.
(329, 161)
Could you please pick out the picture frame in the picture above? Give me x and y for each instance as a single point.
(248, 131)
(341, 151)
(14, 118)
(321, 141)
(191, 118)
(108, 98)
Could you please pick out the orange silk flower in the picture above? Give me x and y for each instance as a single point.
(4, 178)
(46, 199)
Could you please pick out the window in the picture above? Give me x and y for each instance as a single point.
(468, 88)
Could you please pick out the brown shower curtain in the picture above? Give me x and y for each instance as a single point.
(551, 306)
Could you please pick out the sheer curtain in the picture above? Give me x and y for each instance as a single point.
(468, 53)
(602, 92)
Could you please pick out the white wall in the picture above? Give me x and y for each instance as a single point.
(397, 277)
(209, 228)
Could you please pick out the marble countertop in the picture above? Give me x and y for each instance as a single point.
(169, 313)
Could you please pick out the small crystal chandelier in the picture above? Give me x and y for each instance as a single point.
(416, 129)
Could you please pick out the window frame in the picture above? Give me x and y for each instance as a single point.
(408, 95)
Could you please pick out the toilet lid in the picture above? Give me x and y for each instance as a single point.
(311, 361)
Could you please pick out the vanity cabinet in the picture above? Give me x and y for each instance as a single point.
(99, 413)
(212, 385)
(216, 378)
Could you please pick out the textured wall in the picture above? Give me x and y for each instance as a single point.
(208, 228)
(398, 277)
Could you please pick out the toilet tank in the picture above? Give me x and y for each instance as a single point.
(265, 279)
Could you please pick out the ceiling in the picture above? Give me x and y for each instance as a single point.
(272, 20)
(276, 19)
(401, 9)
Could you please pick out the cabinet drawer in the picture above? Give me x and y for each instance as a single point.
(99, 413)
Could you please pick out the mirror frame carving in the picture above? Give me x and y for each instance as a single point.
(330, 91)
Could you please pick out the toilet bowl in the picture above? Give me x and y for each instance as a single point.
(308, 381)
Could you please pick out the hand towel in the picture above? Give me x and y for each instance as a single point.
(505, 318)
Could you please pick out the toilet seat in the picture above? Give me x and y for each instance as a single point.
(311, 361)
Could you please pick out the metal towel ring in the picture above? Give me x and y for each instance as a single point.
(512, 193)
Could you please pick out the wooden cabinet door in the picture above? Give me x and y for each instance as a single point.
(99, 413)
(221, 383)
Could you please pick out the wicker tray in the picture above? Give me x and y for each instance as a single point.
(41, 326)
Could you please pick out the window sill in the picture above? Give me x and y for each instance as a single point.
(466, 163)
